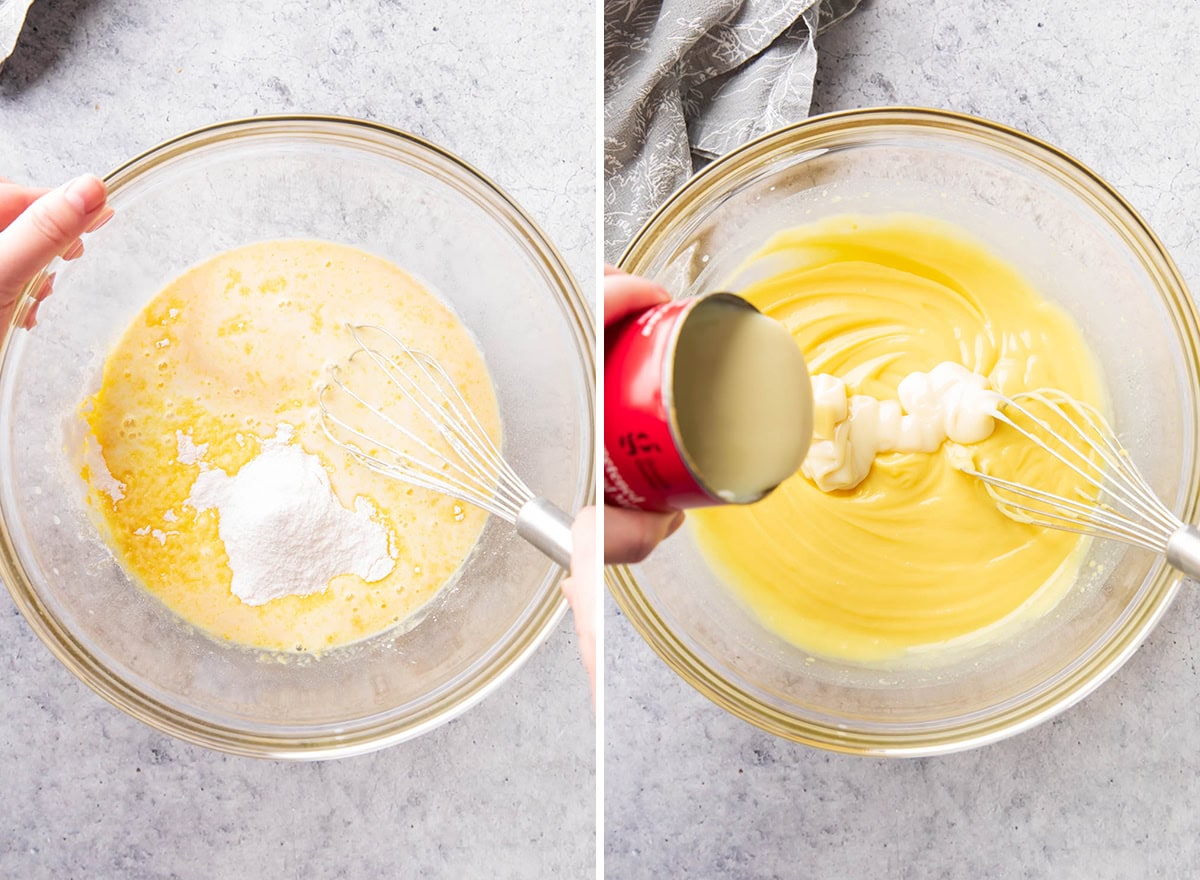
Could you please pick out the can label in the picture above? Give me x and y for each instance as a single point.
(644, 467)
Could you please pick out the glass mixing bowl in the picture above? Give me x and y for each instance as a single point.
(1084, 248)
(296, 177)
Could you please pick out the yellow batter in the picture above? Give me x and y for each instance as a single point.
(917, 554)
(224, 355)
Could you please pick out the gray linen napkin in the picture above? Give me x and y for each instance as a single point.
(689, 80)
(12, 17)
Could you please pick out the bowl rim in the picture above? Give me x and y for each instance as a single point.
(1162, 583)
(369, 733)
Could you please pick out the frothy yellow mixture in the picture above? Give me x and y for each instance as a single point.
(917, 554)
(224, 355)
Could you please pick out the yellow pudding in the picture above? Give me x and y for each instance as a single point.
(219, 372)
(916, 554)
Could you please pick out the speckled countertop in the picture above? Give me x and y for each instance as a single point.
(505, 791)
(1111, 788)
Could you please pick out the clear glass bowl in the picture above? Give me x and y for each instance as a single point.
(291, 177)
(1084, 248)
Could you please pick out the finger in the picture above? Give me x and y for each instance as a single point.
(30, 319)
(583, 538)
(44, 290)
(15, 199)
(630, 535)
(612, 270)
(580, 590)
(45, 229)
(626, 294)
(100, 219)
(75, 250)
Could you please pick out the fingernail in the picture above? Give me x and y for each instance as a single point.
(85, 194)
(101, 219)
(74, 251)
(45, 288)
(31, 317)
(673, 526)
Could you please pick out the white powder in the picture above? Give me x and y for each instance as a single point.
(188, 451)
(285, 531)
(157, 534)
(98, 470)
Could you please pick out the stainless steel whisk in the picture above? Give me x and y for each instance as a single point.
(1125, 509)
(463, 462)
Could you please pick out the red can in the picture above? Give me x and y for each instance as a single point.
(646, 465)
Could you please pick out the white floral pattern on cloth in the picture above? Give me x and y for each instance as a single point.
(12, 18)
(694, 79)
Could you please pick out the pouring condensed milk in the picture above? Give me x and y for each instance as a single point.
(707, 401)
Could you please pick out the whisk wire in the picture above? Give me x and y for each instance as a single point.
(1125, 507)
(406, 467)
(478, 449)
(1131, 488)
(1089, 517)
(415, 425)
(469, 467)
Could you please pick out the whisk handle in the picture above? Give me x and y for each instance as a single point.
(547, 528)
(1183, 551)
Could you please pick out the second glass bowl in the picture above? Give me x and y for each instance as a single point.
(1085, 249)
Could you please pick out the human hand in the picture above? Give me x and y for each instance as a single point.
(630, 535)
(37, 225)
(580, 589)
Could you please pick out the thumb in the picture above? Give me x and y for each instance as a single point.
(44, 229)
(630, 535)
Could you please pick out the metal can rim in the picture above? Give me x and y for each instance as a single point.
(668, 392)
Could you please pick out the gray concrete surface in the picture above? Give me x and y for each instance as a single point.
(506, 791)
(1111, 788)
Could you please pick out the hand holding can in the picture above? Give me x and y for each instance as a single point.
(630, 535)
(707, 401)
